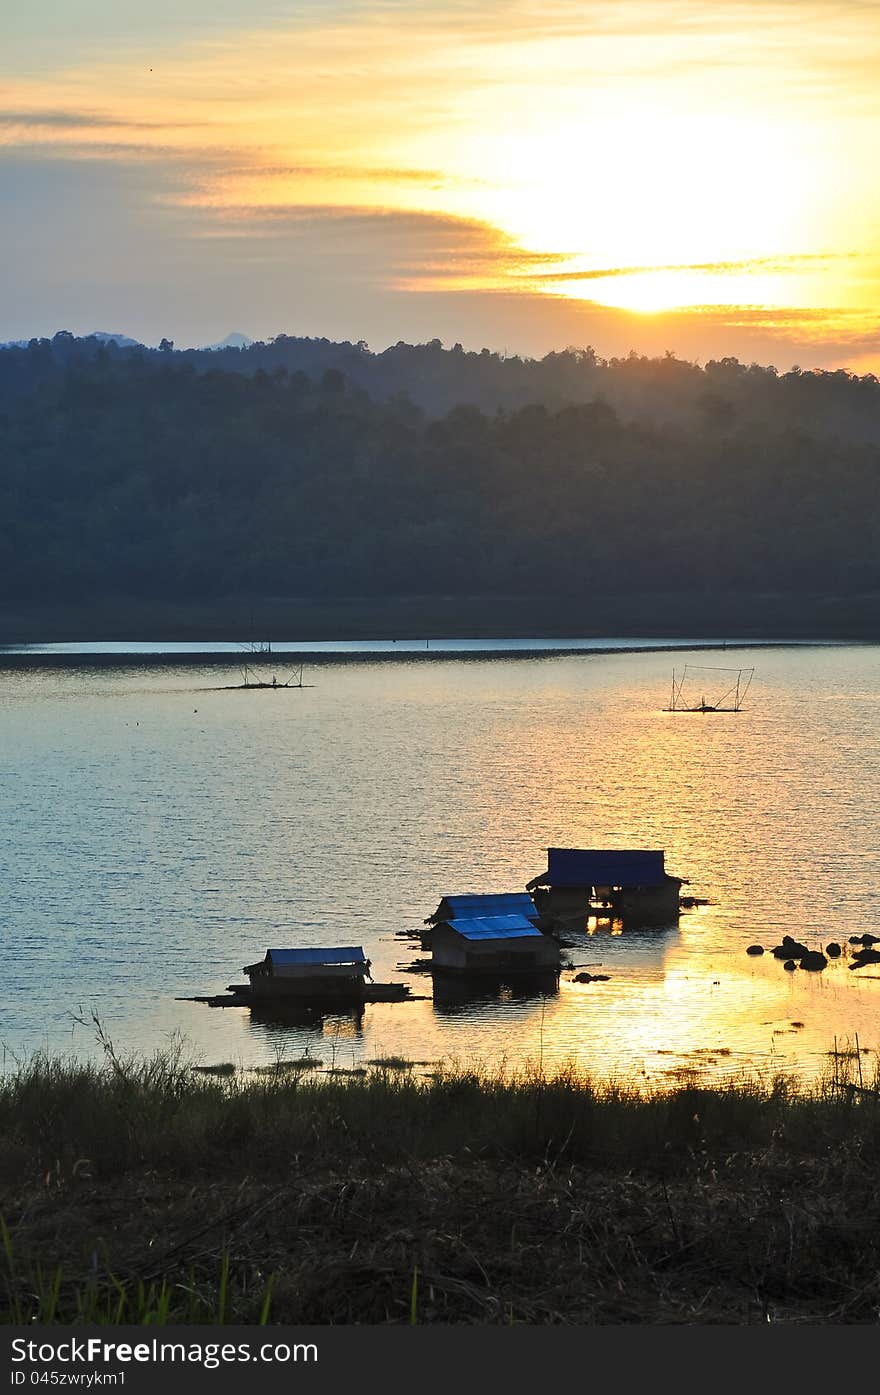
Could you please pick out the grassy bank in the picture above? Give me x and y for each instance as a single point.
(139, 1191)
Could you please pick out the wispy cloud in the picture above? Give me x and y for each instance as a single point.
(789, 262)
(388, 173)
(78, 121)
(419, 251)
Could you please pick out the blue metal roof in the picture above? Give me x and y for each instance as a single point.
(501, 903)
(495, 927)
(349, 955)
(603, 867)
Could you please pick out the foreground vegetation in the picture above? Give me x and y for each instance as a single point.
(135, 1192)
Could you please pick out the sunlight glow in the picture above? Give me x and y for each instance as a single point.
(650, 292)
(636, 188)
(697, 159)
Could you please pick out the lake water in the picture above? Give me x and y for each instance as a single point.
(158, 832)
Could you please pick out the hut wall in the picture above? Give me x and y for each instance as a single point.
(568, 902)
(447, 948)
(527, 954)
(269, 986)
(316, 971)
(649, 903)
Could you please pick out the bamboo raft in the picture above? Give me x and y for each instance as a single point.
(240, 995)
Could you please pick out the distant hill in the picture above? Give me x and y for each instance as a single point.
(306, 468)
(122, 340)
(235, 340)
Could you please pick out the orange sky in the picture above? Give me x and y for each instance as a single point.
(525, 175)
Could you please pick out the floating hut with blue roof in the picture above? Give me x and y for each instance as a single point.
(493, 944)
(339, 972)
(477, 907)
(629, 883)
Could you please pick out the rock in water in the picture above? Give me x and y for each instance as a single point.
(865, 956)
(833, 950)
(755, 949)
(790, 949)
(814, 960)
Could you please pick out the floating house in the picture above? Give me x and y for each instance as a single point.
(631, 884)
(497, 945)
(478, 907)
(309, 973)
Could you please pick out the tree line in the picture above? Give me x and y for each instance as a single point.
(306, 468)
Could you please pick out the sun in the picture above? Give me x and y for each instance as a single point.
(678, 211)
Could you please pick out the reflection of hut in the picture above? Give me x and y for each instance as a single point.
(309, 973)
(498, 944)
(455, 994)
(632, 884)
(478, 907)
(337, 1017)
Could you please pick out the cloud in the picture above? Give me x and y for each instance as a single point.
(384, 245)
(76, 120)
(369, 173)
(61, 119)
(403, 250)
(792, 262)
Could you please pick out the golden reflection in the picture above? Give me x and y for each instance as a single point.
(604, 923)
(275, 1020)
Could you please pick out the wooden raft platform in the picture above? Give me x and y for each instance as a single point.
(240, 995)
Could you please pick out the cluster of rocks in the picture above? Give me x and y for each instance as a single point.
(591, 978)
(867, 954)
(794, 954)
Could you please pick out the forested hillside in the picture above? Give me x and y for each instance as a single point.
(305, 468)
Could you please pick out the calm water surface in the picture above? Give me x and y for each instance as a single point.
(157, 833)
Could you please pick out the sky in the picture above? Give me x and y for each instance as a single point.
(658, 175)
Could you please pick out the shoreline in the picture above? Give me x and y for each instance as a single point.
(317, 658)
(730, 616)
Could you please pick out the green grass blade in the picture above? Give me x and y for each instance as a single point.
(223, 1291)
(267, 1301)
(414, 1299)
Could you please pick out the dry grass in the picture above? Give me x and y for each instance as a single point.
(137, 1187)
